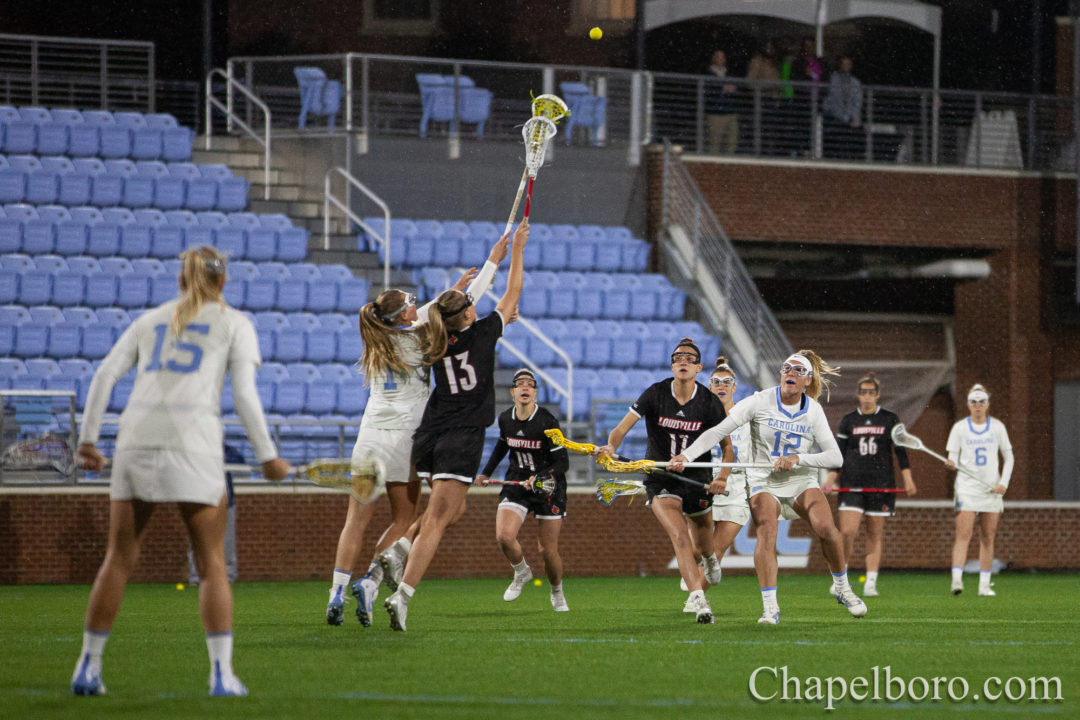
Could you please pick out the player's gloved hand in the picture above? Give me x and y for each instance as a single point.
(90, 458)
(677, 463)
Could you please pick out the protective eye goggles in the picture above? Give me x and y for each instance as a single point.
(867, 391)
(725, 381)
(468, 303)
(798, 370)
(685, 357)
(410, 301)
(524, 383)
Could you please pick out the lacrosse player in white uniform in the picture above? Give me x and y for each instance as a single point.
(731, 511)
(392, 328)
(786, 423)
(974, 444)
(169, 449)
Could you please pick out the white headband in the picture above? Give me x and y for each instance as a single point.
(977, 395)
(801, 360)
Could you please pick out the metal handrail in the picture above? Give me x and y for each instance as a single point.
(693, 238)
(328, 199)
(212, 102)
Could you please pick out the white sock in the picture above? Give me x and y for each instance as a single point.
(840, 580)
(984, 578)
(341, 579)
(403, 545)
(957, 574)
(219, 644)
(375, 571)
(697, 594)
(556, 589)
(871, 577)
(93, 644)
(407, 590)
(521, 567)
(768, 596)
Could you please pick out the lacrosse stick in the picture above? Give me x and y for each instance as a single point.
(363, 480)
(537, 131)
(544, 485)
(556, 436)
(904, 439)
(608, 490)
(47, 452)
(627, 466)
(869, 490)
(549, 107)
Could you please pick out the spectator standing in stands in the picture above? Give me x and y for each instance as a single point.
(843, 112)
(763, 68)
(809, 68)
(720, 107)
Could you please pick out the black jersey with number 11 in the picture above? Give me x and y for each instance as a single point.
(673, 427)
(464, 394)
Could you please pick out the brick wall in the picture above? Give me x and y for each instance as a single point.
(60, 538)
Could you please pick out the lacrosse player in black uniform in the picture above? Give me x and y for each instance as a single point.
(533, 457)
(676, 411)
(865, 441)
(449, 443)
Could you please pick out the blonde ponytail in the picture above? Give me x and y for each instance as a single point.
(200, 282)
(820, 381)
(380, 353)
(433, 340)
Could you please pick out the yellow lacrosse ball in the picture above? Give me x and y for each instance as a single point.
(179, 586)
(596, 33)
(537, 582)
(862, 578)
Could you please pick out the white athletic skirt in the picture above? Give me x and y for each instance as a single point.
(158, 475)
(786, 493)
(738, 513)
(980, 502)
(390, 449)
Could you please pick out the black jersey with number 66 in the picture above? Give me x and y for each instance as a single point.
(866, 444)
(464, 394)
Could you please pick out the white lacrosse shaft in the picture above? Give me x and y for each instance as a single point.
(904, 439)
(517, 200)
(959, 468)
(662, 464)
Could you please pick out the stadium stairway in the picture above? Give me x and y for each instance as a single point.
(302, 203)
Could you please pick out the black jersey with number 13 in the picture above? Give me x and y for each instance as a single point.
(464, 394)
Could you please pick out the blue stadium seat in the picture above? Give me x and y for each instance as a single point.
(84, 265)
(626, 345)
(575, 342)
(176, 140)
(69, 288)
(599, 348)
(337, 322)
(533, 302)
(352, 396)
(38, 236)
(335, 272)
(318, 95)
(42, 367)
(75, 367)
(116, 265)
(608, 255)
(52, 137)
(590, 294)
(31, 340)
(121, 392)
(163, 288)
(261, 294)
(289, 396)
(201, 193)
(419, 251)
(473, 251)
(273, 269)
(35, 287)
(65, 340)
(101, 290)
(115, 139)
(644, 299)
(232, 192)
(12, 185)
(305, 371)
(349, 346)
(321, 345)
(53, 213)
(20, 136)
(321, 397)
(352, 295)
(291, 241)
(51, 263)
(133, 291)
(635, 256)
(22, 212)
(9, 286)
(106, 189)
(146, 142)
(656, 352)
(266, 342)
(168, 191)
(554, 254)
(617, 298)
(292, 294)
(84, 140)
(42, 187)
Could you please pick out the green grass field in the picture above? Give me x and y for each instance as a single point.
(624, 651)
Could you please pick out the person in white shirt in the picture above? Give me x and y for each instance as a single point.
(169, 449)
(786, 426)
(731, 511)
(393, 329)
(974, 444)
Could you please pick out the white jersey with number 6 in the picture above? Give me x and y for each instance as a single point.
(978, 450)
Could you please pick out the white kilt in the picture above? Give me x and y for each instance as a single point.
(159, 475)
(389, 449)
(980, 502)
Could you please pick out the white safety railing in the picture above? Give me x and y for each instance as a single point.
(330, 199)
(226, 109)
(701, 251)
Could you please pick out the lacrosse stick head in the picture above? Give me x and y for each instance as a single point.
(543, 483)
(624, 466)
(364, 478)
(550, 106)
(608, 490)
(903, 438)
(536, 132)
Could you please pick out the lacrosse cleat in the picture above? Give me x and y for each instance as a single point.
(870, 589)
(689, 606)
(682, 585)
(558, 602)
(703, 612)
(393, 566)
(398, 609)
(335, 609)
(712, 570)
(86, 680)
(514, 590)
(225, 684)
(851, 601)
(770, 616)
(986, 591)
(957, 587)
(366, 591)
